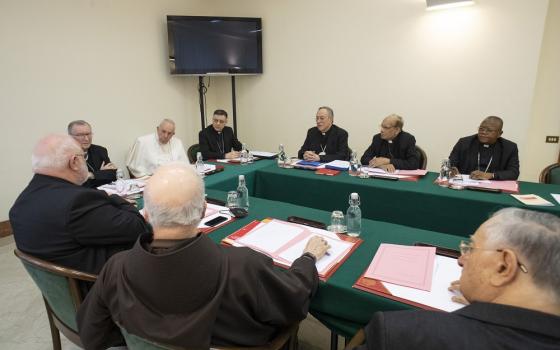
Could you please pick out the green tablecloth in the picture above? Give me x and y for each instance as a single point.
(227, 180)
(421, 204)
(339, 306)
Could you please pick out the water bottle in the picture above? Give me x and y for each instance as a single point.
(120, 183)
(281, 156)
(244, 156)
(199, 165)
(355, 166)
(444, 172)
(242, 193)
(354, 216)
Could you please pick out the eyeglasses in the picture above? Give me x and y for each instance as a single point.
(485, 129)
(321, 118)
(79, 136)
(466, 248)
(218, 121)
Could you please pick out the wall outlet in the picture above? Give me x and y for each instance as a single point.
(551, 139)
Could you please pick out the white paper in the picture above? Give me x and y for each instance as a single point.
(556, 197)
(228, 160)
(130, 187)
(336, 252)
(446, 270)
(271, 236)
(339, 164)
(264, 154)
(381, 172)
(208, 168)
(465, 180)
(217, 210)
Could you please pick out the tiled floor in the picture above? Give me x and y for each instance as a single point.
(24, 324)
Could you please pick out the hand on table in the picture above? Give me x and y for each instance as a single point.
(481, 175)
(108, 166)
(317, 246)
(377, 162)
(311, 156)
(232, 155)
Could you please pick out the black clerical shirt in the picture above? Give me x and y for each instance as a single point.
(334, 144)
(215, 145)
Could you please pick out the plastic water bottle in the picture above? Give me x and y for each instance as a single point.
(244, 155)
(354, 216)
(354, 169)
(199, 165)
(242, 193)
(281, 156)
(120, 183)
(444, 172)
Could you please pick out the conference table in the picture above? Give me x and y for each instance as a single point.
(393, 212)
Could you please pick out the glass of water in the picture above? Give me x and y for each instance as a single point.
(232, 199)
(337, 222)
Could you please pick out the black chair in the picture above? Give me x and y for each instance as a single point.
(60, 287)
(550, 174)
(192, 151)
(422, 157)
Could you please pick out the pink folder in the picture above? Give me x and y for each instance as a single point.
(409, 266)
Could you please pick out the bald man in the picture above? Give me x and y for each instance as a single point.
(180, 288)
(58, 220)
(486, 155)
(152, 150)
(392, 148)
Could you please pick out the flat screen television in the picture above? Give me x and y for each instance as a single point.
(214, 45)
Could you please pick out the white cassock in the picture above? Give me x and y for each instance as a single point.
(148, 154)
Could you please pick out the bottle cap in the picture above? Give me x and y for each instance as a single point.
(241, 177)
(354, 195)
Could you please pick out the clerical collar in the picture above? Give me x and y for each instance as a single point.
(390, 141)
(485, 145)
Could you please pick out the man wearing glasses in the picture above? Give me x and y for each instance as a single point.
(56, 219)
(510, 277)
(486, 155)
(392, 148)
(326, 142)
(100, 169)
(217, 141)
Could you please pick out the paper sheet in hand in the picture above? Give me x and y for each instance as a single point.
(445, 271)
(410, 266)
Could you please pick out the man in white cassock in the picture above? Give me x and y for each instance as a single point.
(152, 150)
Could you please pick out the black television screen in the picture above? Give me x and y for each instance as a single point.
(213, 45)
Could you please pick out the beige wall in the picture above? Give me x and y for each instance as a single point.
(545, 112)
(105, 61)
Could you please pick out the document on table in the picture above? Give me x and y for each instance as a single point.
(212, 212)
(285, 242)
(263, 154)
(381, 172)
(445, 271)
(556, 197)
(532, 199)
(338, 165)
(410, 266)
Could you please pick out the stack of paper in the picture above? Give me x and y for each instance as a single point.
(508, 186)
(532, 199)
(284, 242)
(412, 275)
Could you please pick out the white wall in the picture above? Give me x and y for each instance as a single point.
(443, 71)
(545, 113)
(102, 61)
(105, 61)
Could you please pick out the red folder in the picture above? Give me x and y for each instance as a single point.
(328, 172)
(230, 240)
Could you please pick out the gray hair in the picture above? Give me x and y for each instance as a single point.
(329, 110)
(186, 213)
(52, 152)
(535, 236)
(167, 120)
(76, 122)
(399, 122)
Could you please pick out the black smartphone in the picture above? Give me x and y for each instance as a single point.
(239, 212)
(215, 221)
(307, 222)
(451, 253)
(483, 189)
